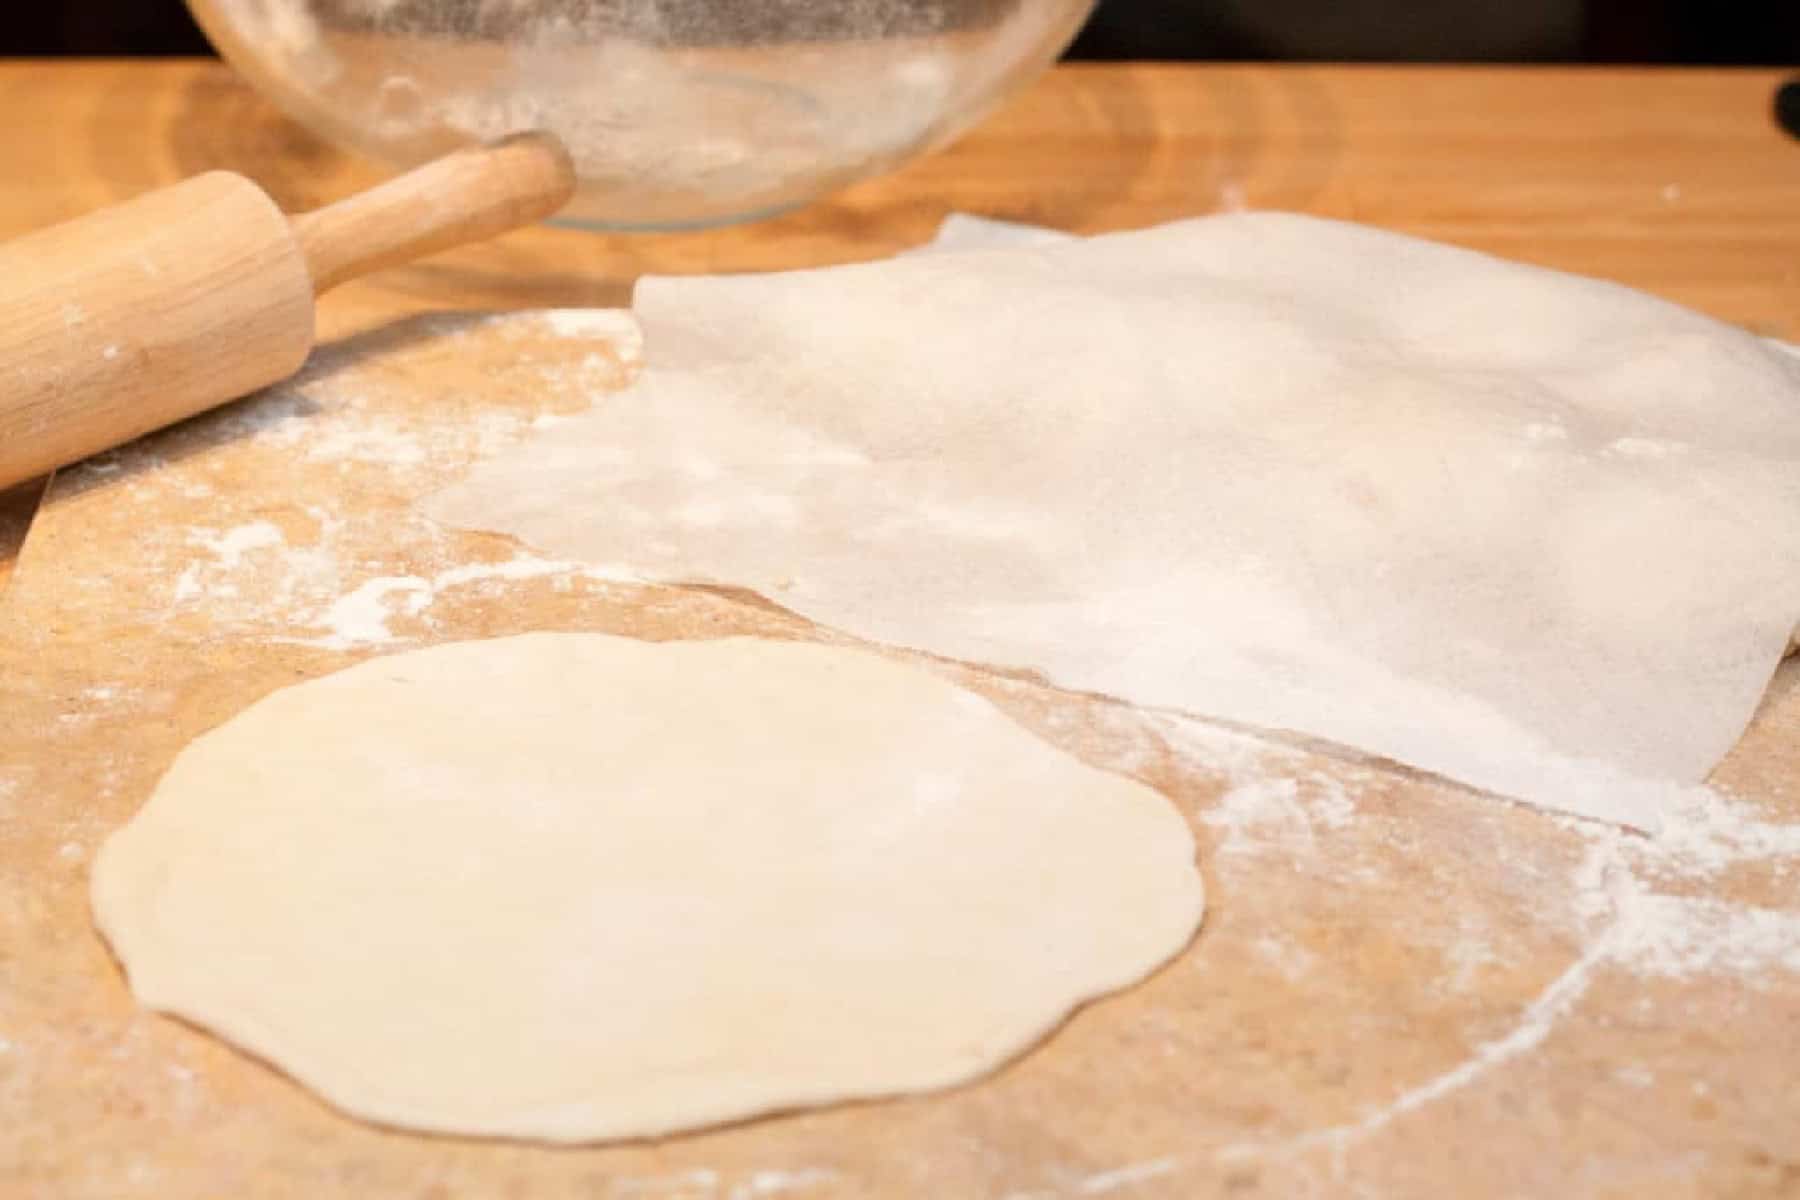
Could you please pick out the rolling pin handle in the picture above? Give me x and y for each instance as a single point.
(463, 197)
(136, 316)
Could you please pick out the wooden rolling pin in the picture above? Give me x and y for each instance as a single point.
(131, 318)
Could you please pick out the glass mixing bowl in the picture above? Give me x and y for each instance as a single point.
(678, 113)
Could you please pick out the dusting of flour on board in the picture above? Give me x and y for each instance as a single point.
(1642, 907)
(1274, 805)
(315, 557)
(298, 559)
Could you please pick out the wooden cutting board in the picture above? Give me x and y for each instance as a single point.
(1402, 988)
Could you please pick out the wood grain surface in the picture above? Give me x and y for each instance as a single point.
(1402, 989)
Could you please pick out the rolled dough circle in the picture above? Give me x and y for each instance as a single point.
(575, 887)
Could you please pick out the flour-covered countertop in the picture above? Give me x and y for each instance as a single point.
(1402, 988)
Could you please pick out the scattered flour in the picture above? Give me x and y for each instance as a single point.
(1101, 1183)
(781, 1183)
(1293, 960)
(394, 447)
(1626, 915)
(229, 548)
(1628, 885)
(615, 326)
(1263, 816)
(1468, 954)
(1105, 1182)
(1705, 832)
(1640, 447)
(360, 617)
(1659, 932)
(1689, 935)
(308, 569)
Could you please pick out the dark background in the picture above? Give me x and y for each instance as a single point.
(1649, 31)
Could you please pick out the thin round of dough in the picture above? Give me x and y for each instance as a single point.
(575, 887)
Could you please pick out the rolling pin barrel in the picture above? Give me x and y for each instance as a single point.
(132, 318)
(136, 316)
